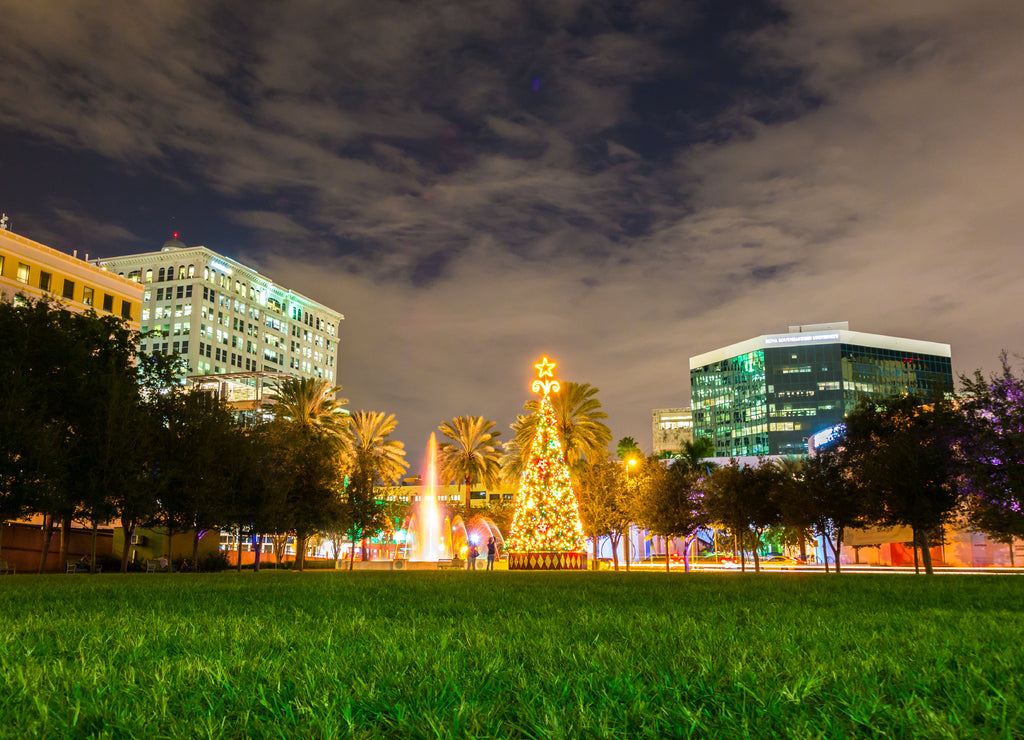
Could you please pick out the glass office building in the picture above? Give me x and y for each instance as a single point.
(768, 395)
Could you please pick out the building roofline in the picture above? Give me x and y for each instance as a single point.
(825, 337)
(145, 256)
(65, 257)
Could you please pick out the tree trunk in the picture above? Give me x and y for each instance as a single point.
(626, 545)
(687, 543)
(469, 510)
(742, 552)
(615, 549)
(926, 552)
(1011, 552)
(596, 566)
(170, 540)
(757, 557)
(824, 546)
(838, 547)
(65, 538)
(195, 551)
(128, 528)
(92, 555)
(300, 550)
(238, 549)
(803, 544)
(352, 555)
(666, 555)
(913, 539)
(259, 551)
(47, 535)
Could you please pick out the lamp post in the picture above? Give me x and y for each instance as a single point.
(626, 544)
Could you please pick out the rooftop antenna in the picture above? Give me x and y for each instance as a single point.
(3, 222)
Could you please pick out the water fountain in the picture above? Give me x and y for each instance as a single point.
(429, 537)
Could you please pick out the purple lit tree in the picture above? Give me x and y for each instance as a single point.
(995, 446)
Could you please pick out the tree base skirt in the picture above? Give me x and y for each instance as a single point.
(547, 561)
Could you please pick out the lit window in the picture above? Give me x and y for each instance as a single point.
(23, 273)
(87, 295)
(149, 275)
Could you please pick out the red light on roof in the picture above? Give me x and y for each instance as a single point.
(175, 234)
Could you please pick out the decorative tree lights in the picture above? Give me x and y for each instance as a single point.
(546, 533)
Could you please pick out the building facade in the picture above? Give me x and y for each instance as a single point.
(671, 428)
(768, 395)
(225, 318)
(29, 269)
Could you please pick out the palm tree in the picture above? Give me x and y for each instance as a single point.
(628, 447)
(310, 404)
(580, 428)
(694, 453)
(472, 455)
(368, 447)
(372, 459)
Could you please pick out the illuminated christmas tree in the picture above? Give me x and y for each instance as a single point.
(547, 518)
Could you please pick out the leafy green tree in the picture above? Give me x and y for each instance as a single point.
(793, 499)
(903, 455)
(994, 445)
(472, 454)
(304, 464)
(72, 390)
(671, 505)
(599, 490)
(743, 498)
(831, 499)
(308, 465)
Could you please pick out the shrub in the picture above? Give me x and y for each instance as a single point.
(213, 562)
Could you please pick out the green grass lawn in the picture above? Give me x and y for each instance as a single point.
(456, 654)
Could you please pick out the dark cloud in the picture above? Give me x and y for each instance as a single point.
(474, 183)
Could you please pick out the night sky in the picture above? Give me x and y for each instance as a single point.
(618, 185)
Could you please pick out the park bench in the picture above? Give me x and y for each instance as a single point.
(76, 566)
(155, 566)
(5, 567)
(449, 563)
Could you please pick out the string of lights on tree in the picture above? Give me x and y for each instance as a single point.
(547, 517)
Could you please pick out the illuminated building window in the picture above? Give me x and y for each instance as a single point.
(23, 273)
(87, 294)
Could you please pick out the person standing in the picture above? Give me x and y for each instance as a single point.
(473, 555)
(491, 552)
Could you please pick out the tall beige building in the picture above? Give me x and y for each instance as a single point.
(225, 318)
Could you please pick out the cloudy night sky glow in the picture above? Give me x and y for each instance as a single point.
(475, 184)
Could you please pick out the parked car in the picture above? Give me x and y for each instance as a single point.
(778, 561)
